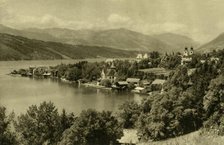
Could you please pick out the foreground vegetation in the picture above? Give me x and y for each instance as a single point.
(44, 125)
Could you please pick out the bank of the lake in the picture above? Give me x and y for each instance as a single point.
(17, 93)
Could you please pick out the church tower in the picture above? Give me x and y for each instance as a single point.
(186, 53)
(191, 51)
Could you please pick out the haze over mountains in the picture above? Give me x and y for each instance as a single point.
(123, 39)
(21, 48)
(57, 43)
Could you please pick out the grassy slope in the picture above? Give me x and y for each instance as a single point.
(194, 138)
(20, 48)
(217, 43)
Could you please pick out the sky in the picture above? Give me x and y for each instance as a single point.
(201, 20)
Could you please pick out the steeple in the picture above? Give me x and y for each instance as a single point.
(186, 53)
(191, 51)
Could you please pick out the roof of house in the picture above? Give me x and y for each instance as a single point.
(139, 88)
(130, 136)
(146, 82)
(158, 82)
(133, 80)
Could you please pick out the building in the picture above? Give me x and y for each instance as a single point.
(187, 56)
(139, 56)
(103, 75)
(145, 56)
(110, 73)
(142, 56)
(120, 85)
(157, 85)
(135, 81)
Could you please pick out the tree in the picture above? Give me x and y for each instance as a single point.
(91, 71)
(73, 74)
(106, 83)
(93, 128)
(179, 79)
(42, 124)
(169, 114)
(154, 54)
(61, 69)
(129, 113)
(6, 136)
(213, 104)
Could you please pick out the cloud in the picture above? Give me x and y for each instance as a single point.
(115, 18)
(169, 27)
(45, 21)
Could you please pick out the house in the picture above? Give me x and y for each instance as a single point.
(145, 56)
(103, 75)
(130, 137)
(120, 85)
(139, 56)
(133, 80)
(142, 56)
(158, 82)
(157, 85)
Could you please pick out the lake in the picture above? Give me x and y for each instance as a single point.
(18, 93)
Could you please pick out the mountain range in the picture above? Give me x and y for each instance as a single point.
(122, 39)
(21, 48)
(57, 43)
(215, 44)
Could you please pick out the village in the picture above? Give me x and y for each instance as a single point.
(146, 74)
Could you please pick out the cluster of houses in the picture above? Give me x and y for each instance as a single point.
(136, 84)
(146, 86)
(142, 56)
(187, 55)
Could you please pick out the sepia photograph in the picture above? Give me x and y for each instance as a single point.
(111, 72)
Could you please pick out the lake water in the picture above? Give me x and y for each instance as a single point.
(18, 93)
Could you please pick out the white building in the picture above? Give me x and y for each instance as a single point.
(187, 56)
